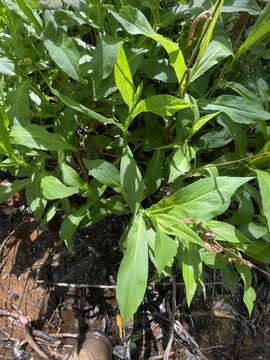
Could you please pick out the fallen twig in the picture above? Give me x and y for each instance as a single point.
(76, 286)
(28, 336)
(167, 352)
(158, 357)
(190, 347)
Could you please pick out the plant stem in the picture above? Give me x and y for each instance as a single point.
(225, 163)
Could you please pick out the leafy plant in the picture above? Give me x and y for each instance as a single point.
(104, 105)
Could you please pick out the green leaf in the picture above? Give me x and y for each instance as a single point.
(64, 53)
(216, 9)
(197, 125)
(180, 163)
(53, 188)
(249, 293)
(201, 200)
(174, 226)
(37, 137)
(153, 174)
(104, 172)
(239, 109)
(4, 134)
(259, 251)
(70, 176)
(191, 268)
(70, 225)
(7, 67)
(7, 191)
(135, 23)
(242, 90)
(162, 105)
(131, 180)
(104, 60)
(225, 232)
(34, 196)
(264, 185)
(50, 214)
(176, 58)
(123, 79)
(258, 32)
(249, 6)
(133, 271)
(19, 112)
(214, 54)
(165, 249)
(30, 14)
(73, 104)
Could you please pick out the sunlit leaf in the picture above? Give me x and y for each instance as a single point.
(264, 184)
(203, 199)
(53, 188)
(123, 79)
(133, 271)
(131, 180)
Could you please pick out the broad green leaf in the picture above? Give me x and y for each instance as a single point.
(225, 232)
(37, 137)
(70, 176)
(162, 105)
(104, 60)
(123, 79)
(50, 213)
(180, 163)
(175, 226)
(249, 293)
(264, 185)
(4, 134)
(258, 32)
(7, 191)
(153, 174)
(259, 251)
(164, 250)
(52, 188)
(197, 125)
(135, 23)
(242, 90)
(230, 277)
(191, 268)
(239, 109)
(214, 139)
(105, 172)
(216, 9)
(32, 15)
(245, 211)
(73, 104)
(213, 260)
(131, 180)
(214, 54)
(176, 58)
(64, 53)
(258, 231)
(7, 67)
(34, 196)
(253, 38)
(201, 200)
(133, 271)
(249, 6)
(19, 111)
(70, 225)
